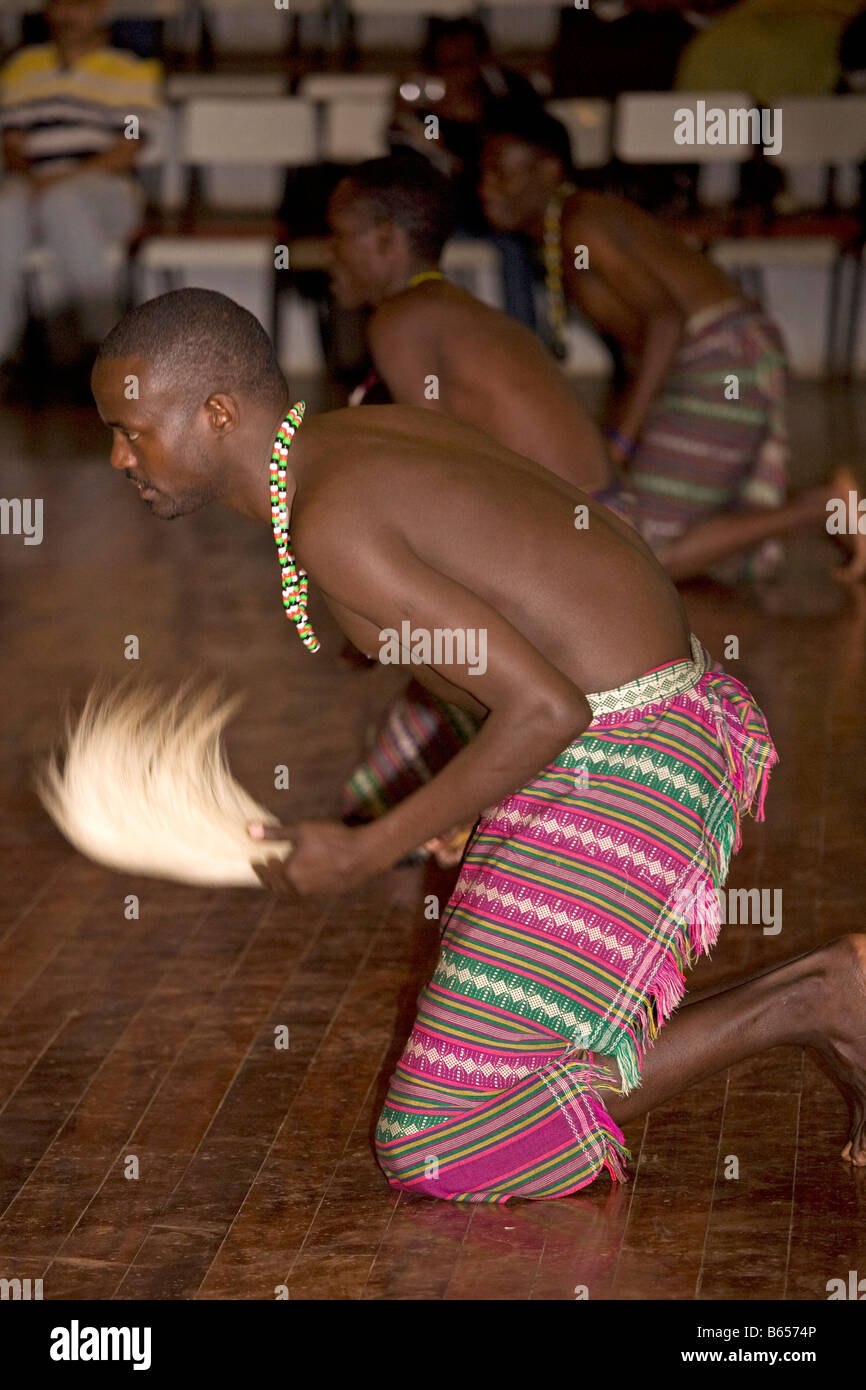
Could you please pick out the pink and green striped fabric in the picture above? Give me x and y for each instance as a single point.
(417, 736)
(567, 939)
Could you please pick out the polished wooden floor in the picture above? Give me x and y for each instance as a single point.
(153, 1039)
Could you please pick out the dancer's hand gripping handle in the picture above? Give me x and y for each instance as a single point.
(324, 856)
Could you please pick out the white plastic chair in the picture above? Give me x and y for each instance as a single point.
(12, 12)
(266, 135)
(143, 9)
(817, 133)
(354, 86)
(353, 130)
(186, 86)
(398, 23)
(237, 26)
(476, 264)
(449, 9)
(588, 121)
(644, 133)
(516, 24)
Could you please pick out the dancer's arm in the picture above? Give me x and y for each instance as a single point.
(618, 291)
(535, 712)
(405, 359)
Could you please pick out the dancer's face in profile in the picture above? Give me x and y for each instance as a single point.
(516, 182)
(163, 442)
(361, 251)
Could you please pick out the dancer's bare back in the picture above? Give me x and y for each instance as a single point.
(402, 514)
(634, 266)
(438, 347)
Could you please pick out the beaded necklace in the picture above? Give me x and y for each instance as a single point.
(422, 276)
(557, 309)
(294, 580)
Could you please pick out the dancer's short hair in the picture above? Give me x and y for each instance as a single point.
(201, 340)
(405, 188)
(533, 126)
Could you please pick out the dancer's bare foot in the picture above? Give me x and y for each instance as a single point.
(841, 1043)
(843, 482)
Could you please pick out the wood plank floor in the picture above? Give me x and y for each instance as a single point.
(147, 1046)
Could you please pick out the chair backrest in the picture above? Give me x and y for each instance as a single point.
(238, 6)
(144, 9)
(242, 148)
(516, 24)
(354, 130)
(446, 8)
(649, 127)
(185, 86)
(155, 150)
(275, 130)
(355, 86)
(242, 26)
(822, 130)
(588, 121)
(398, 24)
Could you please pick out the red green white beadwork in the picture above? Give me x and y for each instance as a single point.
(294, 580)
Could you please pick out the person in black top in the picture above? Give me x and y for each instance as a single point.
(443, 110)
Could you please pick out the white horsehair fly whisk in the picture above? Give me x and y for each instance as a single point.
(141, 783)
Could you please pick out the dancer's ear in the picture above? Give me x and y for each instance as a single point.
(223, 413)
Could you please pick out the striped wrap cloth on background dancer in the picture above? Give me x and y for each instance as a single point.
(582, 900)
(417, 736)
(702, 451)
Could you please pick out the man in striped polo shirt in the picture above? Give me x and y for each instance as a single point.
(74, 114)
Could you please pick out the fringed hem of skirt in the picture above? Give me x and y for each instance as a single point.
(692, 919)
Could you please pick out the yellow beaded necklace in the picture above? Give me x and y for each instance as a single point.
(557, 309)
(422, 276)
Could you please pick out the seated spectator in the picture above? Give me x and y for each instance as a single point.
(74, 114)
(615, 47)
(461, 84)
(771, 48)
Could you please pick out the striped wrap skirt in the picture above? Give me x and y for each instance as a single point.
(715, 438)
(582, 900)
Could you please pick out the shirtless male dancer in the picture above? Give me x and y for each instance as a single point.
(700, 427)
(389, 220)
(610, 817)
(436, 346)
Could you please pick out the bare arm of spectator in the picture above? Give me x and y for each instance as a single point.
(119, 158)
(407, 128)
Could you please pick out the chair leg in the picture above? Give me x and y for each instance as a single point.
(855, 299)
(128, 282)
(836, 273)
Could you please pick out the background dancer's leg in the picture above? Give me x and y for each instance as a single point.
(817, 1000)
(707, 542)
